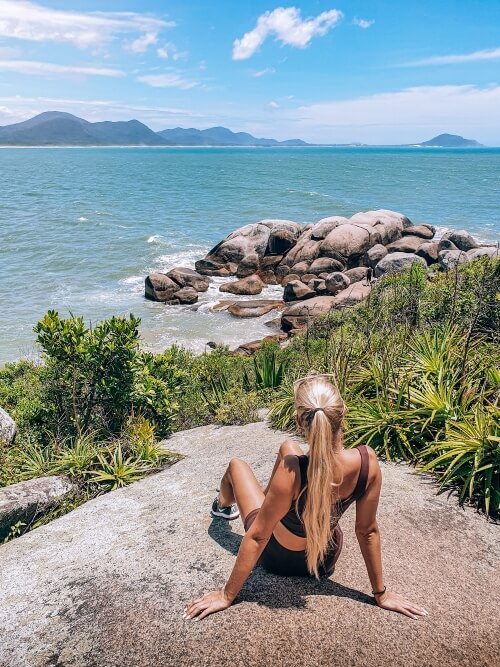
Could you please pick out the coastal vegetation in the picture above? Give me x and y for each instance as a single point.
(417, 362)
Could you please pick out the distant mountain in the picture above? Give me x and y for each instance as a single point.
(56, 128)
(450, 141)
(221, 136)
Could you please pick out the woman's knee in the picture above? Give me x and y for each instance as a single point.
(289, 447)
(236, 464)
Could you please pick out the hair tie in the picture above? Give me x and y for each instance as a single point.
(317, 410)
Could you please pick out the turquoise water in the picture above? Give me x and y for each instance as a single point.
(81, 228)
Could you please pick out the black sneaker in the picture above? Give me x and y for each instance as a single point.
(228, 513)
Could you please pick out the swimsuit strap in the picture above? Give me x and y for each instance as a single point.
(363, 473)
(303, 464)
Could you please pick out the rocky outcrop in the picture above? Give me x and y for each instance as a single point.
(299, 314)
(159, 287)
(318, 260)
(486, 251)
(251, 285)
(302, 313)
(375, 254)
(254, 308)
(26, 500)
(423, 231)
(462, 240)
(180, 285)
(8, 428)
(296, 290)
(449, 259)
(429, 251)
(249, 349)
(336, 282)
(186, 295)
(358, 273)
(396, 262)
(405, 244)
(189, 278)
(106, 584)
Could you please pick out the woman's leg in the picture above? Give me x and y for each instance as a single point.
(240, 485)
(286, 448)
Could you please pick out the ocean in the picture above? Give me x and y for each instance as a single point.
(80, 228)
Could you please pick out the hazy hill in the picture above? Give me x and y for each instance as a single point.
(450, 141)
(56, 128)
(221, 136)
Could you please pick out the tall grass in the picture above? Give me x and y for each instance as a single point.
(419, 367)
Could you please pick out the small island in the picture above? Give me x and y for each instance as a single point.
(450, 141)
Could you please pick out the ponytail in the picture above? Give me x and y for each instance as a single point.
(320, 409)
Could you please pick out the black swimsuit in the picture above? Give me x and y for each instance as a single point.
(278, 559)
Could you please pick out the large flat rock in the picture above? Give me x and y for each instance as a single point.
(106, 585)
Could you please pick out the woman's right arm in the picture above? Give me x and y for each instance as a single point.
(368, 535)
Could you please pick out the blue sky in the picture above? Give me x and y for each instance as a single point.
(350, 71)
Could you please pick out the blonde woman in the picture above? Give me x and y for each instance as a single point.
(292, 526)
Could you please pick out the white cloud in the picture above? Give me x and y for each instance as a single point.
(167, 81)
(485, 54)
(142, 43)
(263, 72)
(49, 69)
(274, 105)
(287, 26)
(169, 50)
(363, 23)
(406, 116)
(21, 19)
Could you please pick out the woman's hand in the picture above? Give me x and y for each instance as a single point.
(395, 602)
(210, 603)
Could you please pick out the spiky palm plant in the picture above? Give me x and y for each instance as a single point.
(115, 471)
(269, 371)
(385, 425)
(78, 455)
(282, 414)
(469, 458)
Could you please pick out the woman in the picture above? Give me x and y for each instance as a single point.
(291, 527)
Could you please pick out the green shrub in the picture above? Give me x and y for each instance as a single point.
(237, 407)
(91, 373)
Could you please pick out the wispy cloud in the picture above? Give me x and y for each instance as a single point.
(168, 80)
(485, 54)
(142, 43)
(263, 72)
(51, 69)
(170, 51)
(30, 21)
(363, 23)
(288, 27)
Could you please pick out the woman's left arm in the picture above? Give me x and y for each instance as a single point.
(276, 504)
(368, 534)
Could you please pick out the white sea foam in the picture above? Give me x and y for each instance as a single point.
(132, 280)
(83, 219)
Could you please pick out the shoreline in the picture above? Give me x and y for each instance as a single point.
(318, 146)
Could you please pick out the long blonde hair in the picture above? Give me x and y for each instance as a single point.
(319, 409)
